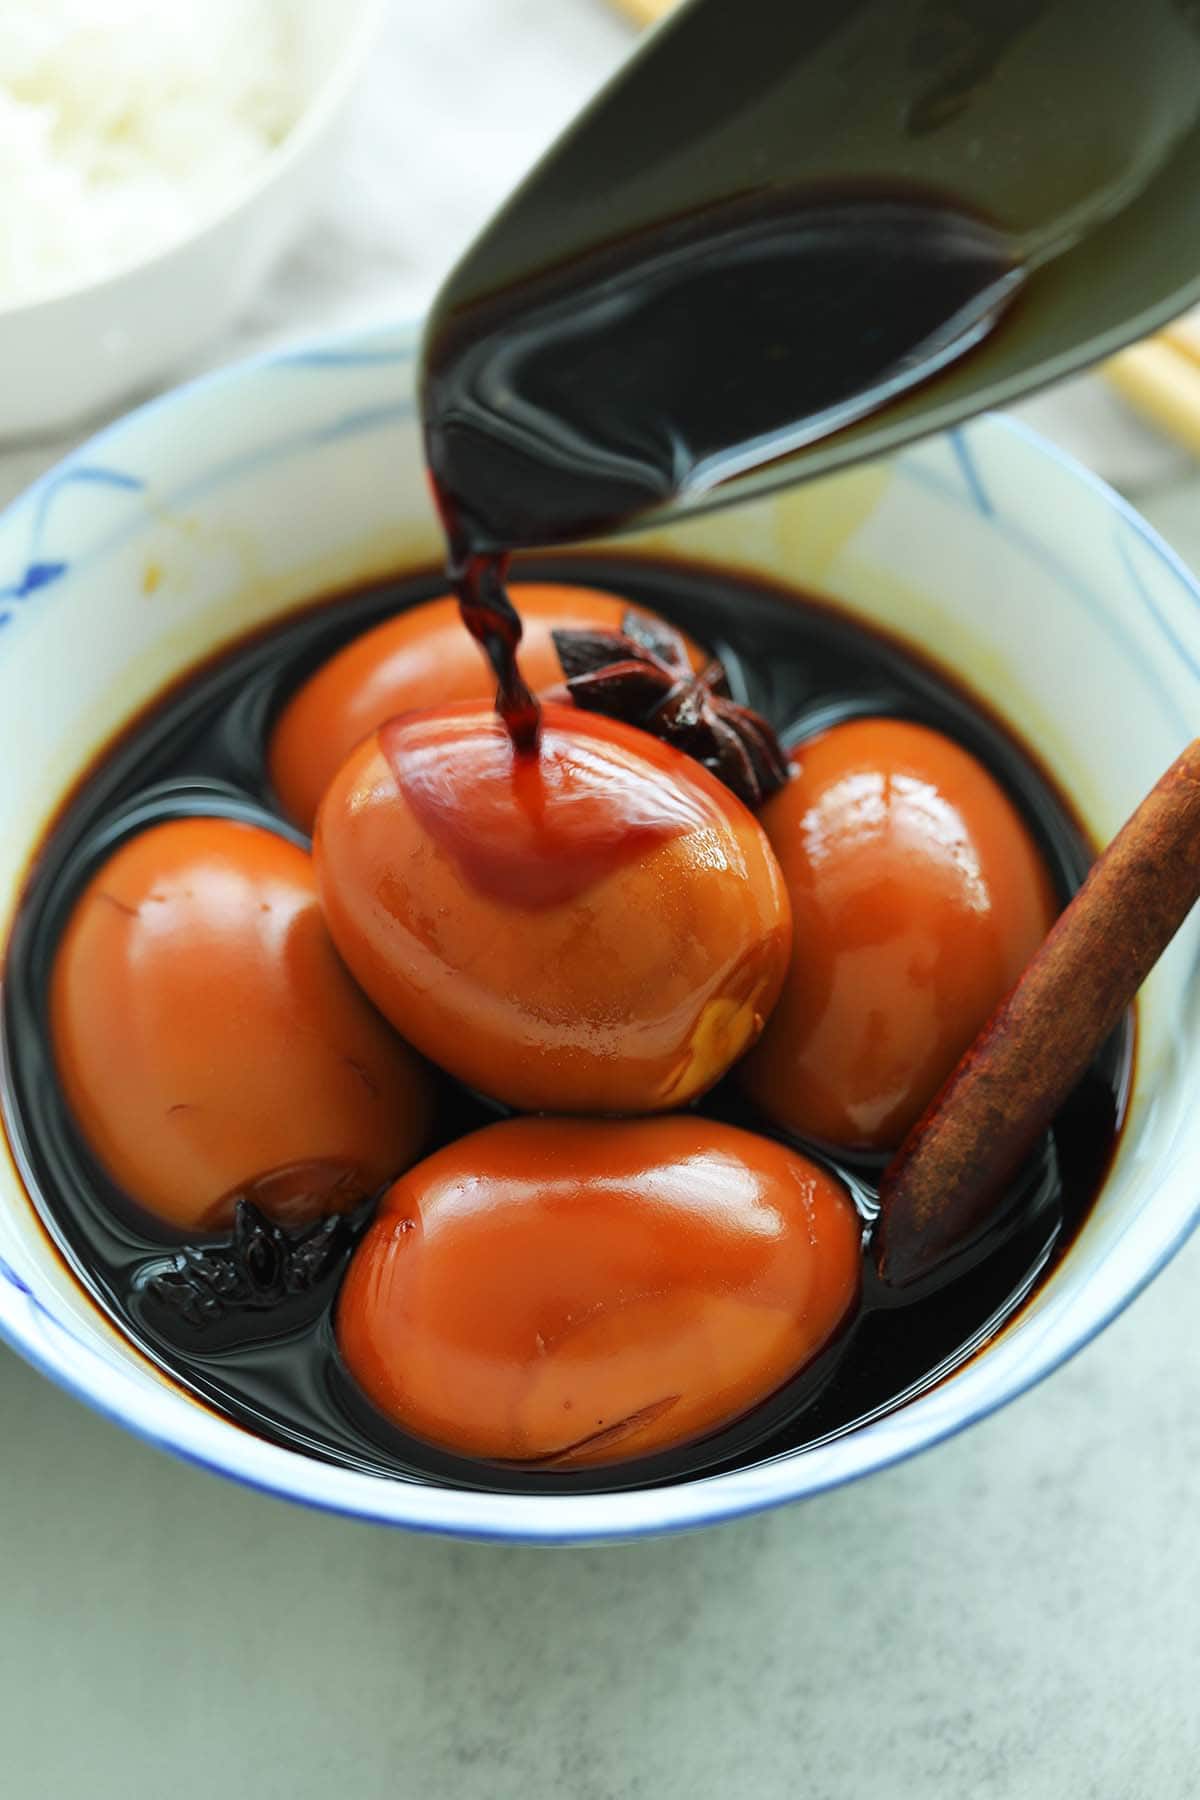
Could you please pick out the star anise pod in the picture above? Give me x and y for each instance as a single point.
(260, 1267)
(642, 674)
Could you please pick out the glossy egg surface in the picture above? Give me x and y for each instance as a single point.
(598, 928)
(918, 896)
(419, 659)
(577, 1292)
(210, 1042)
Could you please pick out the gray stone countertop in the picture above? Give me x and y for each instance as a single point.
(1014, 1616)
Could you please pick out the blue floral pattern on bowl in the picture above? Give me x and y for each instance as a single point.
(219, 507)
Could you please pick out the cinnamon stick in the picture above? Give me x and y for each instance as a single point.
(957, 1160)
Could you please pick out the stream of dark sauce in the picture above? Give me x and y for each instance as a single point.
(276, 1370)
(668, 361)
(495, 624)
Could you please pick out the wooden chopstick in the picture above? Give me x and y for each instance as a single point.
(1183, 335)
(644, 12)
(1160, 378)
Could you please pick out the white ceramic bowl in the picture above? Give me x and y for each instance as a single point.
(228, 503)
(65, 358)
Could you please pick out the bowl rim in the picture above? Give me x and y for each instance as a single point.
(315, 114)
(38, 1334)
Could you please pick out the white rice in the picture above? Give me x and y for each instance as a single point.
(125, 123)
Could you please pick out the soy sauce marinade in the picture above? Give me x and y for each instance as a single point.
(276, 1370)
(572, 402)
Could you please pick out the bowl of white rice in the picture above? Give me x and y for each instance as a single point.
(156, 157)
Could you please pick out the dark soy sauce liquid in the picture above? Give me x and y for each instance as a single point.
(685, 354)
(495, 624)
(667, 362)
(276, 1371)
